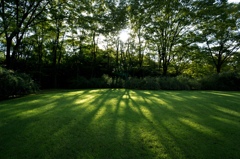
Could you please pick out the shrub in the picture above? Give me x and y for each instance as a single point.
(174, 83)
(113, 82)
(108, 80)
(158, 83)
(134, 83)
(222, 81)
(80, 82)
(194, 84)
(15, 84)
(98, 83)
(151, 83)
(229, 81)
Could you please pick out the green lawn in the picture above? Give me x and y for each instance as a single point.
(118, 123)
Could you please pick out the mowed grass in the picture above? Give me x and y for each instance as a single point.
(118, 123)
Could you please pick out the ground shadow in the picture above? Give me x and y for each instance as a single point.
(120, 123)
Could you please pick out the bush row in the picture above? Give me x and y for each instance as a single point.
(161, 83)
(13, 84)
(223, 81)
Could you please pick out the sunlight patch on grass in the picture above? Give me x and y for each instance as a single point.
(84, 100)
(198, 127)
(227, 111)
(147, 92)
(100, 113)
(222, 94)
(227, 121)
(193, 97)
(37, 111)
(177, 98)
(161, 102)
(147, 114)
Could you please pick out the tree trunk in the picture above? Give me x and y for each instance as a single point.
(165, 68)
(94, 54)
(140, 56)
(165, 61)
(218, 68)
(159, 59)
(8, 56)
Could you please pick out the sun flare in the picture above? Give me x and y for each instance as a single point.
(124, 35)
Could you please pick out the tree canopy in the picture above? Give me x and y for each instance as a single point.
(63, 40)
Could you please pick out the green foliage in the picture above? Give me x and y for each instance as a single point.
(2, 57)
(134, 83)
(15, 84)
(222, 81)
(218, 25)
(82, 82)
(76, 44)
(159, 83)
(98, 83)
(173, 83)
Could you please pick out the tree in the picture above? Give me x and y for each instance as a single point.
(167, 27)
(219, 30)
(137, 13)
(17, 16)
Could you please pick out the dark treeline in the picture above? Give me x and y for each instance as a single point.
(76, 44)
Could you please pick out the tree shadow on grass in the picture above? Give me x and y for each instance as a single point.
(60, 125)
(118, 123)
(191, 118)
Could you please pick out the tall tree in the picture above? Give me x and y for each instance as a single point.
(219, 30)
(137, 15)
(17, 16)
(169, 22)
